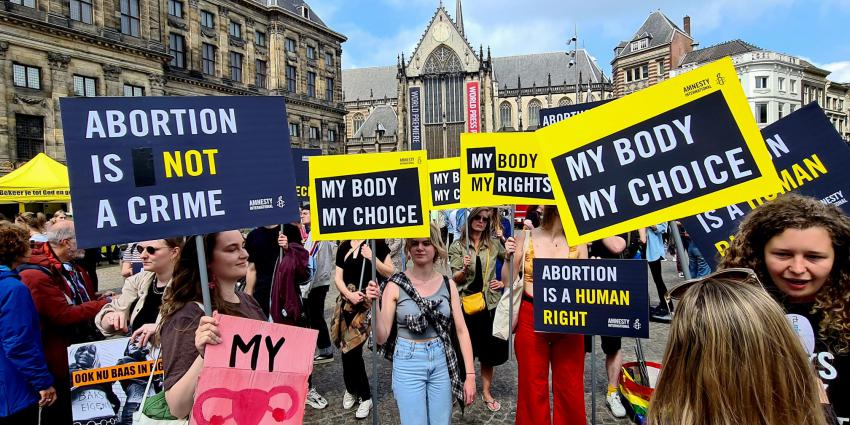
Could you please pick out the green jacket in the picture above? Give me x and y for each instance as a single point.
(488, 262)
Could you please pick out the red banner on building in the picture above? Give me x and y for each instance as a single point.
(473, 116)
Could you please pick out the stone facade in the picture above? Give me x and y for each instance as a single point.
(49, 51)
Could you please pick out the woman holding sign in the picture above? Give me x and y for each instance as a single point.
(473, 261)
(800, 249)
(537, 353)
(184, 330)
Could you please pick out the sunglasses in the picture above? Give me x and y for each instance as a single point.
(481, 218)
(151, 250)
(745, 275)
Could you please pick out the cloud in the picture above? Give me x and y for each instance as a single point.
(840, 71)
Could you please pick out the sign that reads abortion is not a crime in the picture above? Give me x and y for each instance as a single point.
(368, 196)
(301, 167)
(591, 297)
(153, 167)
(678, 148)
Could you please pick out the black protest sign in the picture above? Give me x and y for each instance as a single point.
(301, 164)
(549, 116)
(444, 176)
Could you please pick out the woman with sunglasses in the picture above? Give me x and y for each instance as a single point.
(800, 249)
(472, 259)
(137, 308)
(731, 358)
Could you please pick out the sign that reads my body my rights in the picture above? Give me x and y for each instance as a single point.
(591, 297)
(502, 169)
(152, 167)
(678, 148)
(444, 175)
(369, 196)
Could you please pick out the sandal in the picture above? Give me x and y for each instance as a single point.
(492, 405)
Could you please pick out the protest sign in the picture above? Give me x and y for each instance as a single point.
(366, 196)
(591, 297)
(502, 169)
(681, 147)
(301, 166)
(256, 376)
(812, 160)
(444, 176)
(153, 167)
(108, 380)
(549, 116)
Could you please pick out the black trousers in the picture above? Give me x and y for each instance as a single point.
(354, 369)
(26, 416)
(655, 270)
(316, 315)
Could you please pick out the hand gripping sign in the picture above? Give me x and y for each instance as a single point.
(502, 169)
(681, 147)
(256, 376)
(444, 176)
(369, 196)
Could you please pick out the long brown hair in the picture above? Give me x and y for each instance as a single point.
(486, 235)
(732, 358)
(791, 211)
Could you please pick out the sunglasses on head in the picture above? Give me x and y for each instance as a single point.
(150, 249)
(744, 275)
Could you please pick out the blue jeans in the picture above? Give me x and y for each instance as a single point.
(696, 263)
(421, 383)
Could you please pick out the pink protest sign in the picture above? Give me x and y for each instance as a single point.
(256, 376)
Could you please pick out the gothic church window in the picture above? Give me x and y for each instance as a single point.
(534, 113)
(565, 101)
(505, 112)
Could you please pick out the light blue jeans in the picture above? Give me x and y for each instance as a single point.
(421, 383)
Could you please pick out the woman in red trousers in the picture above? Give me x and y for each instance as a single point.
(537, 352)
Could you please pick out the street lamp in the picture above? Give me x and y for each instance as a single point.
(573, 60)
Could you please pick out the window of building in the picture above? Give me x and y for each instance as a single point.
(235, 30)
(761, 82)
(133, 91)
(81, 10)
(639, 44)
(236, 66)
(290, 78)
(260, 74)
(305, 12)
(534, 113)
(660, 64)
(85, 86)
(175, 8)
(207, 19)
(637, 73)
(29, 135)
(761, 113)
(291, 45)
(329, 89)
(294, 129)
(565, 101)
(26, 76)
(314, 133)
(260, 38)
(27, 3)
(177, 49)
(331, 135)
(130, 22)
(311, 52)
(208, 58)
(780, 83)
(356, 123)
(311, 84)
(793, 86)
(505, 115)
(793, 107)
(329, 59)
(781, 110)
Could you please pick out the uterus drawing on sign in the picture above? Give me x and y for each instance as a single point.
(221, 406)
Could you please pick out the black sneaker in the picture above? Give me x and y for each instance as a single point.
(661, 315)
(323, 358)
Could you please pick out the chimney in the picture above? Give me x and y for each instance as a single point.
(687, 24)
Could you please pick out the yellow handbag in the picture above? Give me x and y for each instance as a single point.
(475, 303)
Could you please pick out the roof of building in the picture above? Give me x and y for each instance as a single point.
(718, 51)
(813, 68)
(370, 83)
(658, 28)
(383, 115)
(535, 69)
(294, 7)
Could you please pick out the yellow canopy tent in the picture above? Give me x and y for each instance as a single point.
(42, 179)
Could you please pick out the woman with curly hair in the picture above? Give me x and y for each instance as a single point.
(800, 249)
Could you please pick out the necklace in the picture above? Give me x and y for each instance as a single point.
(155, 286)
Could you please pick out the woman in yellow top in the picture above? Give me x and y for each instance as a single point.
(473, 262)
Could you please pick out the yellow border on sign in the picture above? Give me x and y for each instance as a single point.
(607, 119)
(508, 143)
(346, 165)
(439, 165)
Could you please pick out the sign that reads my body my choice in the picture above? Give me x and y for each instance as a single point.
(369, 196)
(444, 175)
(152, 167)
(681, 147)
(591, 297)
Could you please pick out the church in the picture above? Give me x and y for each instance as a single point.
(446, 87)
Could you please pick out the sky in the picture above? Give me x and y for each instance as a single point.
(379, 30)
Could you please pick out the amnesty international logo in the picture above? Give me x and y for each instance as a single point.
(720, 79)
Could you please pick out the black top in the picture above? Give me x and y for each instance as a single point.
(150, 308)
(598, 249)
(263, 251)
(534, 217)
(353, 268)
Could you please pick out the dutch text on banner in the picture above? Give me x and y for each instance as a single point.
(591, 297)
(152, 167)
(812, 160)
(257, 375)
(549, 116)
(369, 196)
(473, 108)
(444, 176)
(681, 147)
(415, 120)
(502, 169)
(301, 167)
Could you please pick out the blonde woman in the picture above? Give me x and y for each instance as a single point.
(732, 358)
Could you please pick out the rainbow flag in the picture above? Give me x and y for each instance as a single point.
(637, 394)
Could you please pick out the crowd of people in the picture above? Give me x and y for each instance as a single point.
(764, 340)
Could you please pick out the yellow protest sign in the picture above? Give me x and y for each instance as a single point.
(502, 169)
(684, 146)
(369, 196)
(444, 176)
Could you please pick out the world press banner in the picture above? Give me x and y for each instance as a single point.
(153, 167)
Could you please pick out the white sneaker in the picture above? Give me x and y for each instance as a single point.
(315, 400)
(363, 409)
(615, 405)
(348, 400)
